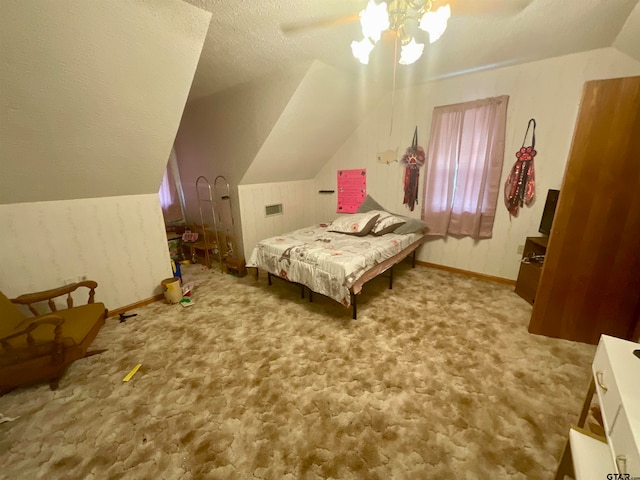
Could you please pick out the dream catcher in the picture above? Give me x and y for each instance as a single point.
(520, 187)
(413, 159)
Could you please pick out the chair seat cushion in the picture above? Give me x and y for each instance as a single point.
(78, 322)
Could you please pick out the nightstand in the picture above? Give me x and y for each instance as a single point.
(530, 267)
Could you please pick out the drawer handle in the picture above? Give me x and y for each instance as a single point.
(601, 384)
(621, 463)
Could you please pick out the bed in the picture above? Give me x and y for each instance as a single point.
(331, 263)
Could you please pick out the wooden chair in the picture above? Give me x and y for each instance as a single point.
(40, 348)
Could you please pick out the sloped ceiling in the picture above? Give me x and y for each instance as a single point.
(325, 108)
(245, 41)
(222, 134)
(92, 94)
(628, 40)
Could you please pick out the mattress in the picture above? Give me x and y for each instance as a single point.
(328, 263)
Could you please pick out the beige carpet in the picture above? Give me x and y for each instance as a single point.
(438, 378)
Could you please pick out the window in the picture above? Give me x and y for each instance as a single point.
(464, 164)
(170, 192)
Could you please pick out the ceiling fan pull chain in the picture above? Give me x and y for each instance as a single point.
(393, 90)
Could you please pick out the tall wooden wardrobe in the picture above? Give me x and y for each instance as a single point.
(590, 280)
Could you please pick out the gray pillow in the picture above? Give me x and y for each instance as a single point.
(386, 223)
(369, 204)
(413, 225)
(390, 229)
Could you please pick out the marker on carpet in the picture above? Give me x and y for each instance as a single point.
(131, 373)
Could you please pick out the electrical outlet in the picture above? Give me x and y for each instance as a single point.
(520, 249)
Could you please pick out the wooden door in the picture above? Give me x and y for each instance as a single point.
(590, 281)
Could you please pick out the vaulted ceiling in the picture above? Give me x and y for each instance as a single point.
(245, 40)
(91, 95)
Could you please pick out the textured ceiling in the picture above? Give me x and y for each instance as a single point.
(245, 42)
(91, 96)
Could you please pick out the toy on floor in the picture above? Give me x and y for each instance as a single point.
(123, 317)
(131, 373)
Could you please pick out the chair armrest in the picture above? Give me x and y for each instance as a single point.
(31, 298)
(49, 319)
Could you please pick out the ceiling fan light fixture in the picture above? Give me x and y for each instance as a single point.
(400, 16)
(362, 49)
(435, 23)
(411, 52)
(374, 20)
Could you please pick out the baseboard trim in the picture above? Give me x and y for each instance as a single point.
(481, 276)
(133, 306)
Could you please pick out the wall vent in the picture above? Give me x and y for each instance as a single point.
(271, 210)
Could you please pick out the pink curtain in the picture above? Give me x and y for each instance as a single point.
(464, 165)
(169, 197)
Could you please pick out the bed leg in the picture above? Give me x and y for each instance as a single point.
(301, 291)
(257, 273)
(269, 277)
(310, 295)
(354, 306)
(391, 278)
(413, 262)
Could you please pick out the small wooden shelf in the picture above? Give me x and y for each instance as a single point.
(529, 274)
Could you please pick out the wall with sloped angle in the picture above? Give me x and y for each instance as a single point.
(267, 137)
(92, 95)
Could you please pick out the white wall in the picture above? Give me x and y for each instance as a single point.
(92, 94)
(112, 240)
(549, 90)
(298, 202)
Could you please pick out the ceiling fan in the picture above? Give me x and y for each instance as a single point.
(458, 7)
(402, 18)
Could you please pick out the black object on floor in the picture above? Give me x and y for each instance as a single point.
(123, 317)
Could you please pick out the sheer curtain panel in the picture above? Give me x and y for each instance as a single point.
(464, 165)
(169, 192)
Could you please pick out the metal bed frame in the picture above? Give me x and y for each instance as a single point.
(370, 274)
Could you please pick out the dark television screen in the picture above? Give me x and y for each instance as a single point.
(549, 211)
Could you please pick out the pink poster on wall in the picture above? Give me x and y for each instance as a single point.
(352, 188)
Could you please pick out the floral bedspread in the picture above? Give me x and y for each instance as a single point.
(326, 262)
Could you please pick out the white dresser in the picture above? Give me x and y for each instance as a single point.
(616, 380)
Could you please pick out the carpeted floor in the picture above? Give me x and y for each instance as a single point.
(438, 378)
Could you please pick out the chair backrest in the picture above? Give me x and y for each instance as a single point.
(10, 314)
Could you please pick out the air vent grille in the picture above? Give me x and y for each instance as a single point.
(271, 210)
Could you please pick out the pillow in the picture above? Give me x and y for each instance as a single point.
(413, 225)
(369, 204)
(386, 223)
(358, 224)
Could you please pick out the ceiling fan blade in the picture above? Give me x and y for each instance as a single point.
(297, 27)
(482, 7)
(458, 7)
